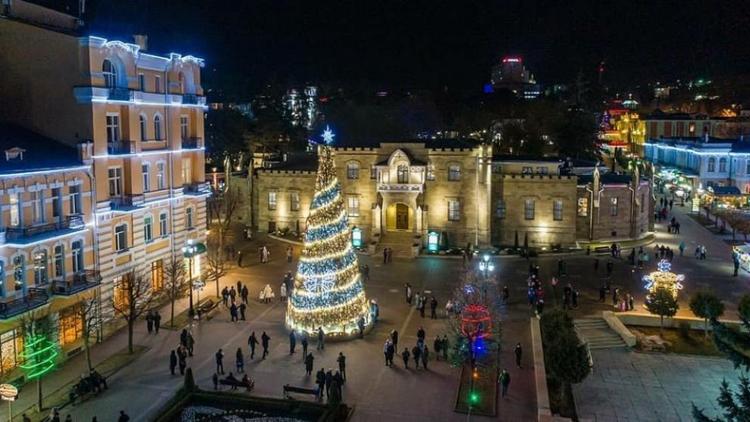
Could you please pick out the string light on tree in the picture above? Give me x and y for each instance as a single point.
(328, 291)
(39, 355)
(664, 278)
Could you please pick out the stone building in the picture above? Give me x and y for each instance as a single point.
(397, 192)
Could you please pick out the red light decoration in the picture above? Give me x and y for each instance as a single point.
(509, 59)
(476, 321)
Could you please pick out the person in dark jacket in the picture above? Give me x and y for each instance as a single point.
(292, 342)
(172, 362)
(309, 359)
(252, 341)
(405, 355)
(264, 339)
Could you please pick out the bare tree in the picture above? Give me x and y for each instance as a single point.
(216, 269)
(175, 286)
(134, 298)
(36, 324)
(87, 311)
(223, 205)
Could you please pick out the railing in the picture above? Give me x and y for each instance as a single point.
(195, 188)
(119, 94)
(189, 99)
(35, 297)
(126, 201)
(69, 222)
(400, 187)
(192, 143)
(120, 147)
(76, 283)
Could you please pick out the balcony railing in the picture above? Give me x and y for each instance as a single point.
(76, 283)
(35, 297)
(192, 143)
(126, 201)
(120, 147)
(19, 233)
(120, 94)
(189, 99)
(196, 188)
(400, 187)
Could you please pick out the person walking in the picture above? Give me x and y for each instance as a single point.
(321, 339)
(433, 308)
(385, 255)
(361, 326)
(425, 356)
(232, 294)
(405, 355)
(182, 360)
(394, 339)
(506, 294)
(244, 294)
(309, 359)
(264, 339)
(416, 354)
(342, 364)
(386, 346)
(190, 343)
(239, 259)
(304, 343)
(329, 379)
(320, 379)
(220, 362)
(289, 254)
(444, 346)
(150, 322)
(518, 351)
(252, 341)
(282, 292)
(436, 345)
(239, 360)
(682, 247)
(172, 361)
(422, 300)
(233, 312)
(407, 293)
(366, 272)
(292, 342)
(243, 307)
(504, 381)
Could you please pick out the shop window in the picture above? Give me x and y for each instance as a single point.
(11, 346)
(157, 275)
(70, 325)
(120, 295)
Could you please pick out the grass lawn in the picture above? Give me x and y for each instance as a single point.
(182, 319)
(59, 397)
(694, 344)
(485, 391)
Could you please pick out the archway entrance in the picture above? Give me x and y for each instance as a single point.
(398, 217)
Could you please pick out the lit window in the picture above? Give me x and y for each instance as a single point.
(613, 206)
(163, 229)
(157, 127)
(402, 174)
(160, 175)
(454, 172)
(143, 127)
(500, 209)
(11, 347)
(121, 297)
(146, 170)
(59, 262)
(157, 275)
(121, 237)
(529, 206)
(40, 267)
(19, 273)
(583, 207)
(15, 209)
(37, 207)
(294, 201)
(352, 171)
(557, 210)
(184, 125)
(272, 200)
(454, 210)
(115, 181)
(711, 164)
(353, 206)
(187, 170)
(75, 199)
(70, 325)
(148, 229)
(113, 127)
(430, 171)
(77, 252)
(189, 218)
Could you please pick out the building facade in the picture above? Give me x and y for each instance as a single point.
(461, 192)
(139, 118)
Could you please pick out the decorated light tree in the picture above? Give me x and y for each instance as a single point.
(663, 278)
(328, 291)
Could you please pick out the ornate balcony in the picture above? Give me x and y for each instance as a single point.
(71, 222)
(400, 187)
(126, 202)
(76, 283)
(120, 94)
(196, 188)
(120, 147)
(35, 297)
(192, 143)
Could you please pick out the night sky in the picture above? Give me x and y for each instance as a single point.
(432, 44)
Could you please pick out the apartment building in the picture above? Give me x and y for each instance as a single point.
(140, 116)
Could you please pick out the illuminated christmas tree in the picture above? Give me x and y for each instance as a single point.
(663, 278)
(39, 355)
(328, 291)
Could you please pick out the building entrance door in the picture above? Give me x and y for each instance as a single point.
(402, 217)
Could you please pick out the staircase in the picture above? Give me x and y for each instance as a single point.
(400, 242)
(597, 333)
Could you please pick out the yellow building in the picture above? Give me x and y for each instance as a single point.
(141, 117)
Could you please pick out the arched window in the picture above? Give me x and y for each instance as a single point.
(40, 267)
(148, 228)
(59, 261)
(77, 255)
(110, 74)
(402, 174)
(143, 126)
(711, 164)
(157, 127)
(722, 165)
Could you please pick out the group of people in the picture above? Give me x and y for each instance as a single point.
(228, 294)
(621, 302)
(153, 321)
(387, 255)
(178, 357)
(535, 294)
(420, 302)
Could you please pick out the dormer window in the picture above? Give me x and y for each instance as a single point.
(14, 153)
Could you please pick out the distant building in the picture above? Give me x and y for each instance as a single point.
(510, 74)
(301, 106)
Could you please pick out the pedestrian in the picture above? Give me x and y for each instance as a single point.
(422, 300)
(342, 365)
(304, 344)
(220, 362)
(421, 334)
(329, 379)
(615, 296)
(385, 255)
(433, 308)
(150, 322)
(444, 346)
(157, 322)
(215, 379)
(506, 294)
(239, 286)
(252, 341)
(321, 339)
(518, 352)
(320, 379)
(309, 359)
(225, 296)
(386, 346)
(245, 293)
(394, 339)
(425, 356)
(405, 355)
(338, 381)
(232, 294)
(233, 312)
(361, 326)
(292, 342)
(415, 352)
(282, 292)
(436, 345)
(123, 417)
(289, 254)
(172, 361)
(407, 293)
(366, 272)
(630, 302)
(182, 361)
(239, 259)
(243, 307)
(190, 343)
(264, 339)
(504, 381)
(239, 360)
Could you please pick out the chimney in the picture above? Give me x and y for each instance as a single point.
(142, 41)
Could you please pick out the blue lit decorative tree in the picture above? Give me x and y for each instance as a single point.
(328, 291)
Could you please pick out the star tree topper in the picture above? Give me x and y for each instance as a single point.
(328, 136)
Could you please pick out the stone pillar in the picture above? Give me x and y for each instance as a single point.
(377, 215)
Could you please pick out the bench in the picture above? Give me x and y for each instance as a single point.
(205, 307)
(85, 388)
(300, 390)
(238, 383)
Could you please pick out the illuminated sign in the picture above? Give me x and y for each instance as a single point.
(433, 240)
(357, 237)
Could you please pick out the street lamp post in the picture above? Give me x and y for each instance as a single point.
(188, 251)
(486, 267)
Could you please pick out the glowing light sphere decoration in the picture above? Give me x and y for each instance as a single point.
(476, 322)
(328, 290)
(663, 278)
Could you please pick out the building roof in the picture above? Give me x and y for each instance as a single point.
(535, 158)
(438, 143)
(300, 161)
(39, 152)
(693, 141)
(607, 178)
(725, 190)
(412, 160)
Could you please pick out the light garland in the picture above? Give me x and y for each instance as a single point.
(328, 291)
(663, 279)
(39, 355)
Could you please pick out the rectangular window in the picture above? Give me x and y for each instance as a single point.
(272, 200)
(373, 172)
(557, 210)
(583, 207)
(141, 81)
(184, 127)
(529, 208)
(59, 261)
(454, 210)
(163, 228)
(11, 347)
(115, 181)
(157, 83)
(113, 128)
(160, 175)
(146, 171)
(187, 170)
(121, 237)
(430, 172)
(454, 173)
(353, 206)
(148, 229)
(121, 298)
(189, 218)
(157, 275)
(15, 209)
(75, 199)
(294, 201)
(352, 171)
(70, 325)
(613, 206)
(56, 202)
(37, 205)
(500, 209)
(77, 252)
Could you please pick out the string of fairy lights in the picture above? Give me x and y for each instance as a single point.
(328, 291)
